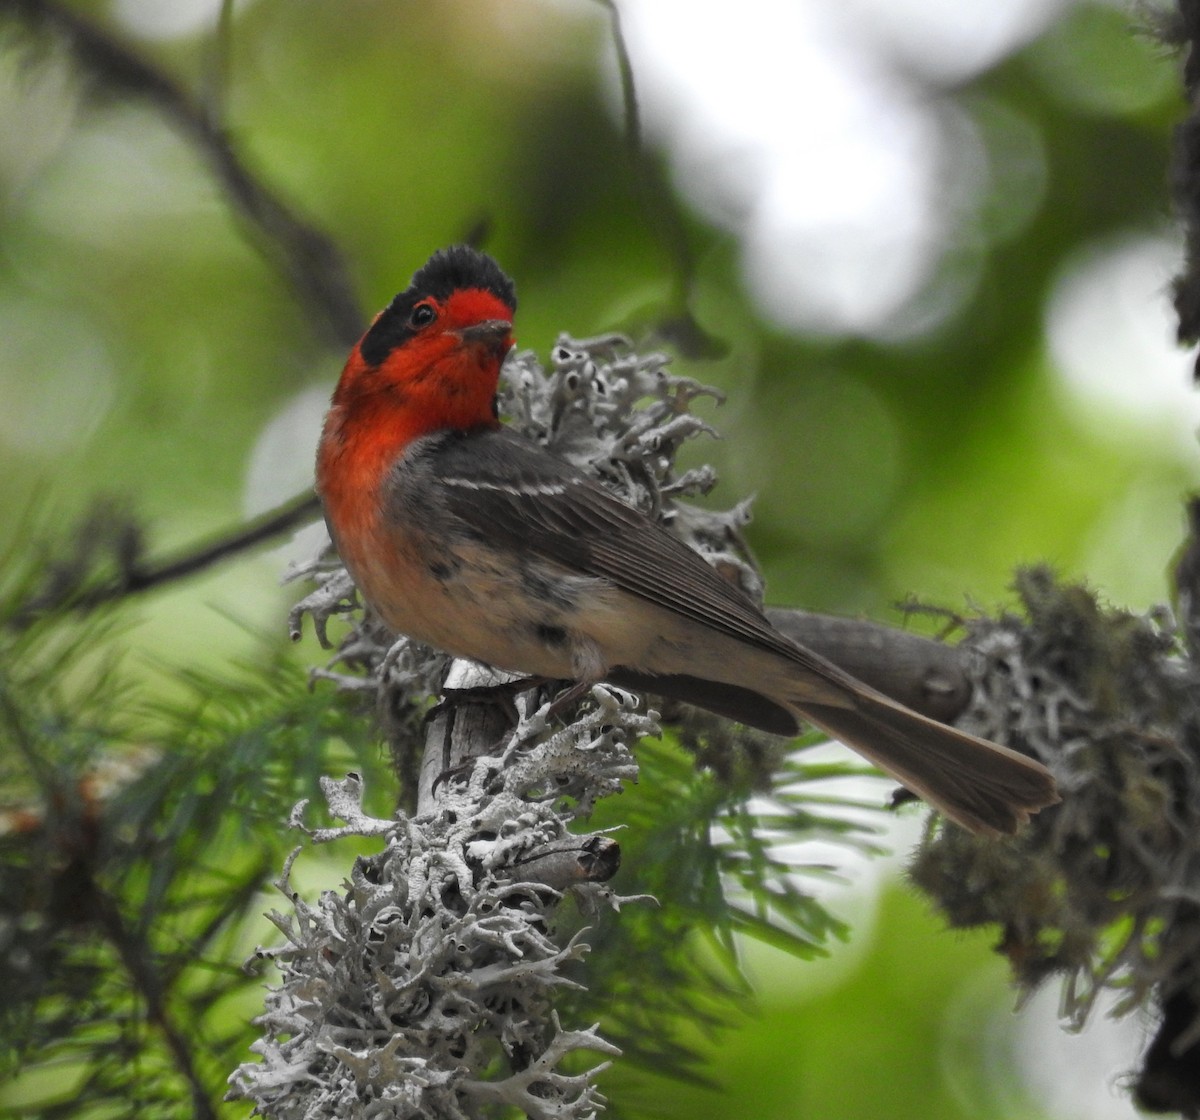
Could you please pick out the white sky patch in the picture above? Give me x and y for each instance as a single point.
(166, 19)
(950, 40)
(791, 124)
(282, 463)
(1110, 332)
(1077, 1076)
(284, 456)
(844, 232)
(1059, 1075)
(862, 798)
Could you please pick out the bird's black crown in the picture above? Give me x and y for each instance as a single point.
(460, 266)
(448, 270)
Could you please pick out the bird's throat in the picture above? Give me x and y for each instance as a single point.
(377, 414)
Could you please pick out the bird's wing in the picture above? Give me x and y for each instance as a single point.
(508, 490)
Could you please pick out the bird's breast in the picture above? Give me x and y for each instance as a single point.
(494, 605)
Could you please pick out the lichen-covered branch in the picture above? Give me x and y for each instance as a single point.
(1103, 892)
(425, 988)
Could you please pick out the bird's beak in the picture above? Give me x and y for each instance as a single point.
(493, 333)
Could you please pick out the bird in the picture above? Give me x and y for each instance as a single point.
(467, 535)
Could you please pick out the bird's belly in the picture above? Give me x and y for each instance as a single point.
(507, 611)
(529, 616)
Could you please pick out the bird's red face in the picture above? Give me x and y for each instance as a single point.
(454, 345)
(472, 319)
(434, 353)
(429, 362)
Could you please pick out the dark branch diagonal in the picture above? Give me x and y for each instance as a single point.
(306, 257)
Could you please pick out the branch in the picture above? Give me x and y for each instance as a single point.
(305, 257)
(629, 96)
(926, 675)
(65, 581)
(437, 966)
(663, 212)
(1102, 890)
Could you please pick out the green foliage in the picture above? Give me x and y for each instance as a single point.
(665, 980)
(136, 841)
(141, 833)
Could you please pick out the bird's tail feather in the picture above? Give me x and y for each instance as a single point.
(980, 785)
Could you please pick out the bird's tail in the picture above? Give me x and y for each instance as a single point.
(980, 785)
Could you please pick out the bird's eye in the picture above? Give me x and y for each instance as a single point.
(422, 315)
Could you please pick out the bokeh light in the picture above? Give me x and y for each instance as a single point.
(57, 379)
(1110, 331)
(799, 127)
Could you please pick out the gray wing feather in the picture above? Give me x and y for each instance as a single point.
(506, 489)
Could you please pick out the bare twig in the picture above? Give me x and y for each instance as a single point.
(272, 524)
(215, 79)
(136, 578)
(629, 97)
(306, 257)
(662, 211)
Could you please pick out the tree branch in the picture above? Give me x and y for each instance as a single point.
(663, 212)
(305, 257)
(472, 884)
(66, 582)
(926, 675)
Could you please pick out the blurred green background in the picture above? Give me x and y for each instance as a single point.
(934, 244)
